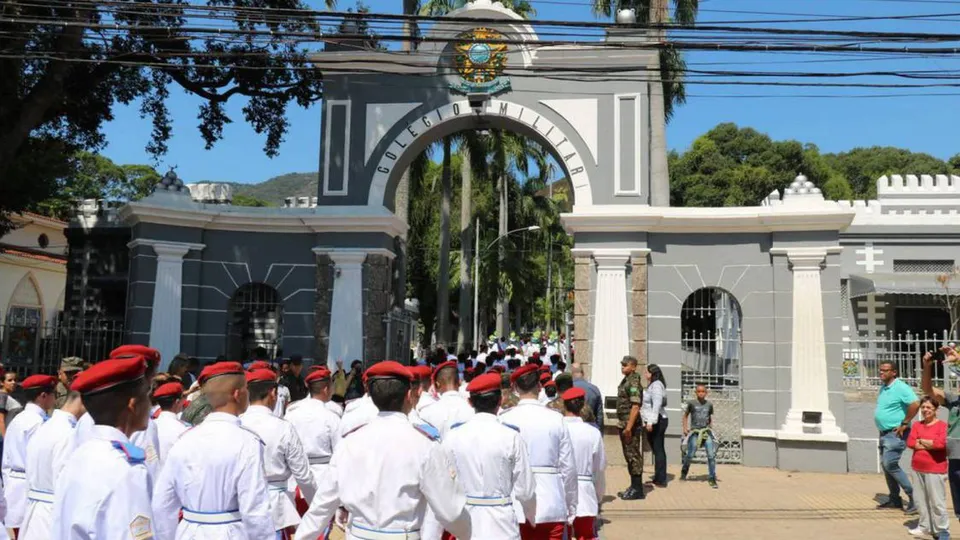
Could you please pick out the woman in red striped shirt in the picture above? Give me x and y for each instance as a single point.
(928, 439)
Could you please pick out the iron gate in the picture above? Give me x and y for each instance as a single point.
(711, 354)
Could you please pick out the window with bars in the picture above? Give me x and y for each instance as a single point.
(923, 266)
(844, 299)
(256, 320)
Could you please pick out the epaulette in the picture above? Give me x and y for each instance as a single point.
(133, 453)
(429, 431)
(352, 430)
(511, 426)
(455, 426)
(252, 432)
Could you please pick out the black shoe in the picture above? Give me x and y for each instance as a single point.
(891, 503)
(660, 484)
(713, 483)
(911, 509)
(632, 494)
(683, 475)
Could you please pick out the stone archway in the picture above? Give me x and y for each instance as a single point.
(427, 126)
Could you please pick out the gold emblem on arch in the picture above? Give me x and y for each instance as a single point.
(479, 62)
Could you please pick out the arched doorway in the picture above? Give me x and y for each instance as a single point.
(255, 321)
(22, 324)
(711, 354)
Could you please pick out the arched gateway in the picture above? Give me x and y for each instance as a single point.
(336, 261)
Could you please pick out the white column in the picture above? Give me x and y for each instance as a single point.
(610, 333)
(346, 308)
(808, 367)
(167, 298)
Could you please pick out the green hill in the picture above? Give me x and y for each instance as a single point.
(278, 188)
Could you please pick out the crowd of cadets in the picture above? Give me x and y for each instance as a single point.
(486, 447)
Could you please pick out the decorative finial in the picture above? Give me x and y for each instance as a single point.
(627, 16)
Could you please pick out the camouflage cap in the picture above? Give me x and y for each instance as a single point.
(71, 363)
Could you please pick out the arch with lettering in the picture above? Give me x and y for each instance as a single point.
(427, 126)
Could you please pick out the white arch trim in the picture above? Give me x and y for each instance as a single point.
(558, 141)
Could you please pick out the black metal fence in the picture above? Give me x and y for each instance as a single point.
(29, 349)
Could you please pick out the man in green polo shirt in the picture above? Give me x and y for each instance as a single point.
(897, 405)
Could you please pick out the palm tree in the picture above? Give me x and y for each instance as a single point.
(443, 277)
(671, 92)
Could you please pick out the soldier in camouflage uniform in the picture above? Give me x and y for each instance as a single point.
(629, 398)
(509, 399)
(69, 368)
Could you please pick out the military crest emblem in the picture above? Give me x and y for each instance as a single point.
(480, 63)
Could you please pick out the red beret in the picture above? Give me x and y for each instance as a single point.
(318, 374)
(220, 368)
(260, 364)
(544, 377)
(261, 375)
(38, 381)
(388, 369)
(488, 382)
(535, 355)
(573, 393)
(109, 373)
(498, 369)
(521, 371)
(125, 351)
(468, 369)
(316, 367)
(549, 384)
(422, 372)
(170, 389)
(544, 369)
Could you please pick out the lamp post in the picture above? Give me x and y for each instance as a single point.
(476, 274)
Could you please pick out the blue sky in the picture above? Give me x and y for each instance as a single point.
(922, 124)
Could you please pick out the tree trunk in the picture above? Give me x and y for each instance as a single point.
(659, 173)
(503, 314)
(465, 334)
(443, 277)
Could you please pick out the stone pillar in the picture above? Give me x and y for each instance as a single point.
(808, 366)
(638, 299)
(167, 298)
(582, 310)
(610, 328)
(377, 285)
(346, 307)
(325, 280)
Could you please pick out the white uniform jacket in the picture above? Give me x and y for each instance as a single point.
(47, 453)
(149, 441)
(169, 429)
(493, 469)
(283, 458)
(103, 490)
(366, 464)
(357, 413)
(426, 399)
(19, 432)
(450, 409)
(214, 473)
(551, 458)
(319, 432)
(591, 465)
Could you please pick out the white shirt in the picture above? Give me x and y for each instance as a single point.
(214, 467)
(283, 457)
(103, 492)
(319, 431)
(426, 399)
(169, 429)
(283, 397)
(19, 432)
(47, 454)
(591, 465)
(335, 407)
(84, 429)
(551, 457)
(450, 409)
(385, 490)
(357, 413)
(149, 441)
(492, 462)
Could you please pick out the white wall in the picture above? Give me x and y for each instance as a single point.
(49, 277)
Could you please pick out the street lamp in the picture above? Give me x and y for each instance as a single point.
(476, 274)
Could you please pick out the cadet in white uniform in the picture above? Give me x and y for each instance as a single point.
(422, 376)
(104, 489)
(148, 439)
(591, 464)
(39, 390)
(47, 454)
(368, 463)
(283, 453)
(451, 408)
(214, 473)
(551, 457)
(492, 465)
(169, 398)
(357, 413)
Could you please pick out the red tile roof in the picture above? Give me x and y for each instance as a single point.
(36, 255)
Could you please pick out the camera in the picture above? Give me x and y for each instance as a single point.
(476, 101)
